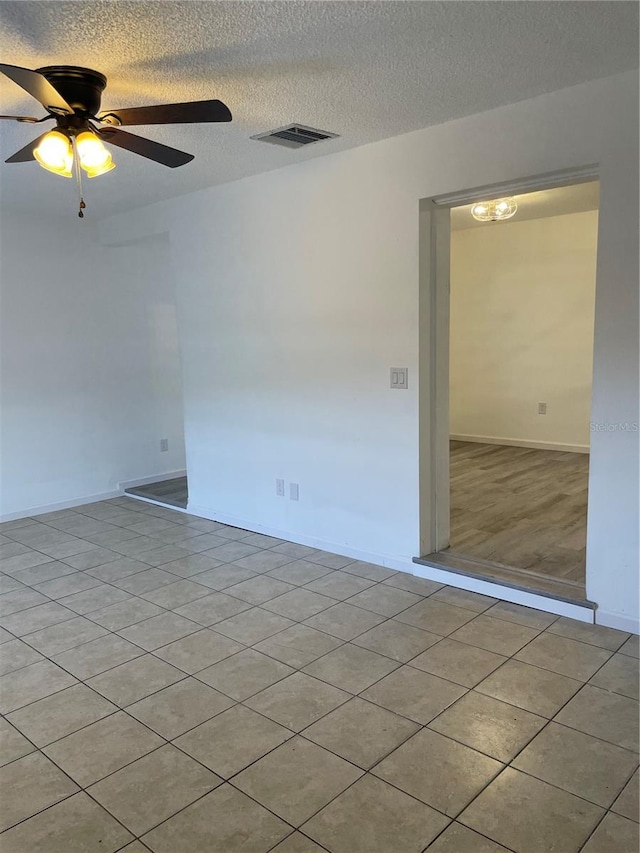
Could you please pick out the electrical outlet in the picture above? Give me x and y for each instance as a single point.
(280, 488)
(399, 377)
(294, 492)
(164, 445)
(542, 408)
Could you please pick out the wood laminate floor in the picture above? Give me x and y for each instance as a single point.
(172, 492)
(520, 507)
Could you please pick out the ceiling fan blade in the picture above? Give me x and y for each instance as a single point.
(37, 86)
(188, 113)
(24, 155)
(19, 118)
(145, 147)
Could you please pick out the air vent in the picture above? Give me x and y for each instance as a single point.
(294, 136)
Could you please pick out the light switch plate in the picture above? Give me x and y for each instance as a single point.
(399, 377)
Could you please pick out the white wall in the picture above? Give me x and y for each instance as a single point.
(90, 375)
(522, 315)
(298, 289)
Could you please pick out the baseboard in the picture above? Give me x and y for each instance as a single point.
(154, 478)
(518, 442)
(611, 619)
(70, 504)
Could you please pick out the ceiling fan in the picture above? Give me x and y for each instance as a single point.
(71, 96)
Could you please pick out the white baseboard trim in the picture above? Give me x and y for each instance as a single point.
(70, 504)
(617, 620)
(405, 564)
(154, 478)
(517, 442)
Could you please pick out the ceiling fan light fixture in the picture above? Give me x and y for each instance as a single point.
(55, 153)
(94, 158)
(494, 211)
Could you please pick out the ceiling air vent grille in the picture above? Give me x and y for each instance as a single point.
(294, 136)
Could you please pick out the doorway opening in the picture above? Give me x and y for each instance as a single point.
(174, 492)
(513, 304)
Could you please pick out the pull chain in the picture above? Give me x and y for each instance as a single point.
(76, 161)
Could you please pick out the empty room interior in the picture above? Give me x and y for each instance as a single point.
(319, 404)
(520, 367)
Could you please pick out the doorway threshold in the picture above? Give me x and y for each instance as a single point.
(172, 493)
(518, 579)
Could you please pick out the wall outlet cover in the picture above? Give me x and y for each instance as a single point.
(294, 492)
(280, 488)
(164, 445)
(399, 377)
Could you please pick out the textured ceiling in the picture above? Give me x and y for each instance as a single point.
(364, 70)
(537, 205)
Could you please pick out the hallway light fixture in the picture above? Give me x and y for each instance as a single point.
(494, 211)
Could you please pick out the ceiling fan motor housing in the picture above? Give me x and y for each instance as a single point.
(81, 88)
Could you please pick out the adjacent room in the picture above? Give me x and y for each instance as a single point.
(521, 362)
(234, 448)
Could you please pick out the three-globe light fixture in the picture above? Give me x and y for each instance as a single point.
(58, 148)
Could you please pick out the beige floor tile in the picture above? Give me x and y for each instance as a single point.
(118, 569)
(529, 687)
(466, 665)
(488, 725)
(37, 576)
(179, 707)
(224, 820)
(344, 621)
(609, 716)
(124, 613)
(351, 668)
(12, 744)
(369, 570)
(459, 839)
(330, 561)
(385, 600)
(595, 635)
(231, 551)
(297, 843)
(631, 647)
(301, 572)
(36, 618)
(258, 589)
(299, 604)
(296, 779)
(373, 817)
(194, 564)
(145, 582)
(68, 585)
(495, 635)
(628, 803)
(298, 645)
(461, 772)
(174, 595)
(65, 635)
(92, 558)
(215, 607)
(527, 616)
(164, 554)
(414, 694)
(199, 650)
(620, 674)
(32, 683)
(61, 714)
(97, 656)
(298, 552)
(223, 576)
(153, 788)
(436, 616)
(529, 816)
(412, 583)
(576, 762)
(159, 630)
(136, 679)
(361, 732)
(99, 749)
(338, 585)
(29, 785)
(263, 561)
(94, 599)
(234, 739)
(566, 657)
(244, 674)
(76, 824)
(16, 654)
(297, 701)
(253, 625)
(396, 640)
(614, 834)
(464, 598)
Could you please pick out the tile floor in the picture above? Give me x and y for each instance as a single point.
(170, 684)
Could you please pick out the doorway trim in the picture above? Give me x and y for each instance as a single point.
(433, 347)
